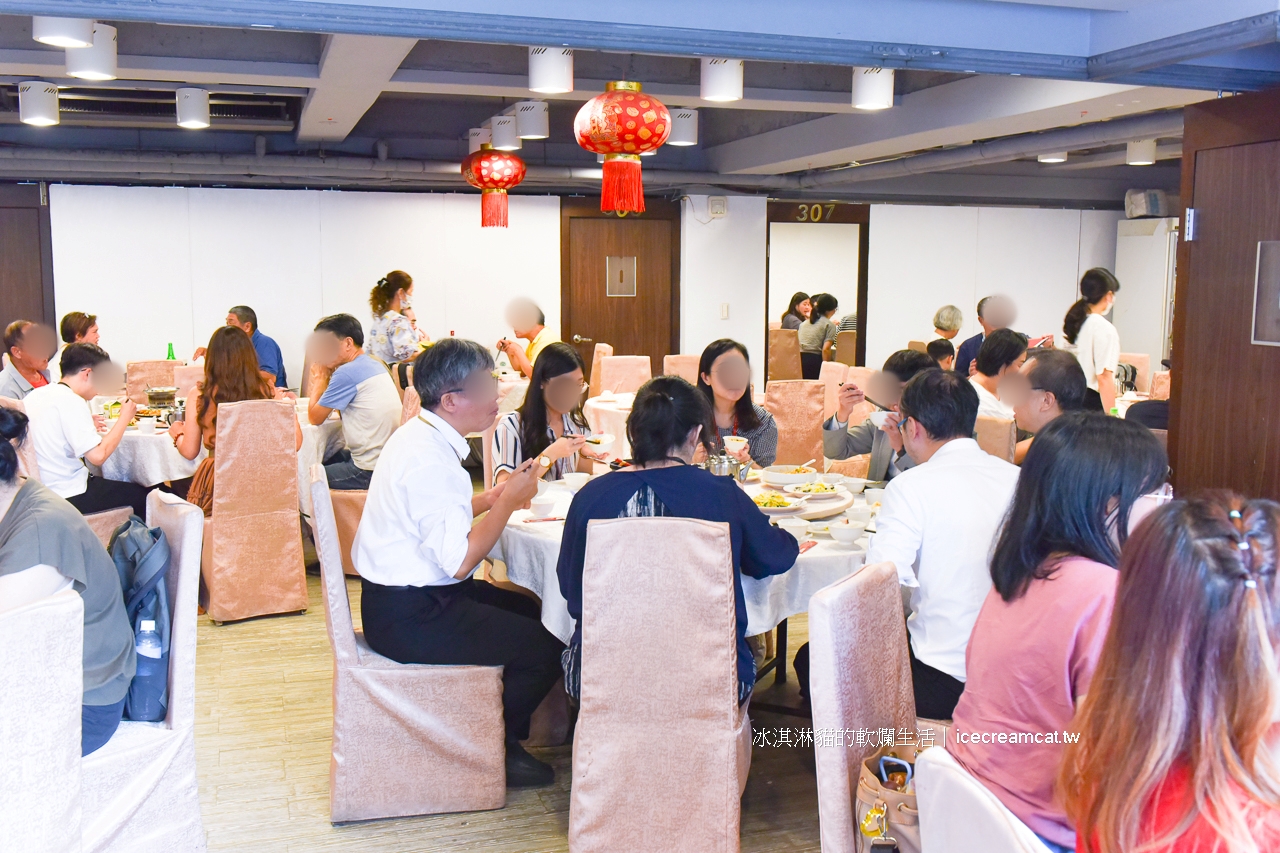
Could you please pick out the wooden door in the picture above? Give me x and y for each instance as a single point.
(26, 257)
(644, 324)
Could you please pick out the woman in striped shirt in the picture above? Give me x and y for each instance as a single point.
(549, 423)
(724, 376)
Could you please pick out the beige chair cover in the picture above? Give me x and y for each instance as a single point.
(140, 790)
(860, 677)
(1160, 385)
(27, 464)
(141, 375)
(348, 506)
(855, 466)
(684, 366)
(784, 356)
(797, 405)
(41, 692)
(959, 815)
(1142, 363)
(624, 374)
(662, 748)
(847, 347)
(411, 405)
(860, 376)
(1162, 436)
(832, 377)
(253, 541)
(408, 739)
(918, 346)
(601, 352)
(775, 324)
(186, 377)
(997, 436)
(103, 524)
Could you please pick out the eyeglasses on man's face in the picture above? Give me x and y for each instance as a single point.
(478, 385)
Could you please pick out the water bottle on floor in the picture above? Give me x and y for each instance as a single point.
(150, 675)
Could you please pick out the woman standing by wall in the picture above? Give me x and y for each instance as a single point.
(393, 336)
(1096, 342)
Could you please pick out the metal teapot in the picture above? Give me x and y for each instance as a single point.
(724, 465)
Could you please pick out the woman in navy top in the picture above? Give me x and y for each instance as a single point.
(669, 420)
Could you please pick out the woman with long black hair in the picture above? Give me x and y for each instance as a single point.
(1093, 339)
(797, 311)
(724, 376)
(549, 423)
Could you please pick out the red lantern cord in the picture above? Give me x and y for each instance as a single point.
(621, 124)
(493, 172)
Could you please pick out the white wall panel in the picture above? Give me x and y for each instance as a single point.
(813, 258)
(1031, 256)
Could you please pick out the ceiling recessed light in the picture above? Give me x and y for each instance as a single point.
(1060, 157)
(38, 103)
(550, 70)
(684, 127)
(721, 79)
(193, 108)
(62, 32)
(872, 88)
(98, 61)
(1140, 152)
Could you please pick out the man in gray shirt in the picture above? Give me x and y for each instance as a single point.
(29, 347)
(840, 439)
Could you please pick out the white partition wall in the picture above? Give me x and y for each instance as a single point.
(813, 258)
(160, 265)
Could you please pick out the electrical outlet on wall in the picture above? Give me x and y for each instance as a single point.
(724, 310)
(717, 206)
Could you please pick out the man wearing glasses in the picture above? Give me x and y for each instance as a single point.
(419, 541)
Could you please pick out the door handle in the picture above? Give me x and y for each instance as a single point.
(579, 339)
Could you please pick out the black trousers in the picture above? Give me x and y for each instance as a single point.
(936, 692)
(1093, 401)
(811, 365)
(100, 495)
(468, 623)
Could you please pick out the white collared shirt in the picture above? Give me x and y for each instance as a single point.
(417, 518)
(941, 546)
(989, 404)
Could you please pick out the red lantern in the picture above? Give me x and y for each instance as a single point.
(493, 172)
(621, 124)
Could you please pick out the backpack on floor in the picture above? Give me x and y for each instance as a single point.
(141, 555)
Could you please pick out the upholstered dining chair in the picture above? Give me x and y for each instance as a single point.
(252, 559)
(784, 356)
(408, 739)
(41, 694)
(832, 377)
(141, 375)
(1141, 362)
(411, 405)
(847, 347)
(851, 622)
(662, 747)
(918, 346)
(796, 406)
(186, 377)
(997, 436)
(601, 352)
(104, 523)
(624, 374)
(1160, 385)
(348, 507)
(139, 790)
(685, 366)
(27, 464)
(959, 815)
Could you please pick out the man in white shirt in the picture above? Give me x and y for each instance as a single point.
(65, 437)
(418, 544)
(1003, 352)
(939, 545)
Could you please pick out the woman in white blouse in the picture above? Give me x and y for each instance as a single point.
(549, 423)
(1095, 341)
(394, 336)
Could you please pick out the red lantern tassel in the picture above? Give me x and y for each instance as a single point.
(622, 188)
(493, 209)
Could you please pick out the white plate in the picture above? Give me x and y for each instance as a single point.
(795, 489)
(796, 505)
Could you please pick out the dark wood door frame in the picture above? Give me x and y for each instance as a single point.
(36, 196)
(588, 207)
(841, 213)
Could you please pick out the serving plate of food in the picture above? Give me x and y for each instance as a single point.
(789, 475)
(773, 503)
(817, 491)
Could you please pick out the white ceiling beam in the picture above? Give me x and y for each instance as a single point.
(50, 64)
(952, 114)
(354, 71)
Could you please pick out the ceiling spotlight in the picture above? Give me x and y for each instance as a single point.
(1141, 152)
(98, 61)
(532, 120)
(1060, 157)
(193, 108)
(550, 70)
(38, 103)
(503, 129)
(684, 127)
(478, 136)
(721, 79)
(872, 88)
(62, 32)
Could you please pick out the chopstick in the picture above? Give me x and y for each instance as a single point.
(881, 406)
(540, 520)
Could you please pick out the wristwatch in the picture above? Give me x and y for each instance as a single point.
(544, 461)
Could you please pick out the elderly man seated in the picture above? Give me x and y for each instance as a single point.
(29, 347)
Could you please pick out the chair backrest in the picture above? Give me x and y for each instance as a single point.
(797, 407)
(1162, 436)
(1142, 364)
(784, 356)
(27, 464)
(684, 366)
(41, 695)
(186, 377)
(851, 622)
(337, 607)
(997, 436)
(624, 374)
(675, 707)
(348, 507)
(775, 324)
(411, 405)
(104, 523)
(601, 351)
(847, 347)
(1160, 385)
(832, 377)
(183, 526)
(304, 384)
(141, 375)
(958, 814)
(918, 346)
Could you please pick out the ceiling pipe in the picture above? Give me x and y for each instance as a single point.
(1150, 126)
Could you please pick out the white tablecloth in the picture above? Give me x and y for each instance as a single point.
(147, 460)
(610, 416)
(511, 391)
(531, 552)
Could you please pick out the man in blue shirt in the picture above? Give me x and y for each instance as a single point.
(269, 357)
(994, 312)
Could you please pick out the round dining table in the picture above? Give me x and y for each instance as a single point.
(147, 459)
(608, 414)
